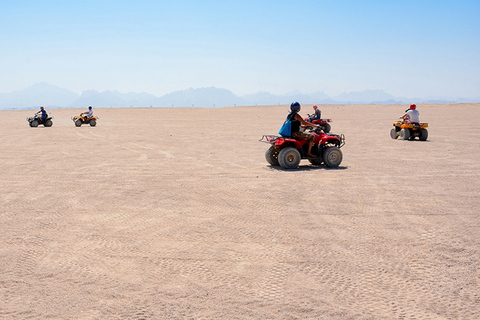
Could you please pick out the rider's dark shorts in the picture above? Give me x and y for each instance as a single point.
(303, 136)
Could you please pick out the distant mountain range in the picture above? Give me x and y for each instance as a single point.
(52, 96)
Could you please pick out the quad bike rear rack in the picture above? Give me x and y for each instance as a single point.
(267, 138)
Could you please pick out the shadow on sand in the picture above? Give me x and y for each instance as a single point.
(307, 168)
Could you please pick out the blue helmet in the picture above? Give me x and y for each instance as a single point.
(295, 107)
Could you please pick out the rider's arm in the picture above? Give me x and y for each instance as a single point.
(307, 124)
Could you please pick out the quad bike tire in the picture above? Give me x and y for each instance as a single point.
(423, 135)
(78, 123)
(327, 127)
(289, 158)
(271, 155)
(332, 156)
(394, 133)
(92, 123)
(404, 134)
(34, 123)
(48, 123)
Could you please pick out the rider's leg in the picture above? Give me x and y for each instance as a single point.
(310, 145)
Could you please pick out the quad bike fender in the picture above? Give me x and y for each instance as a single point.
(333, 139)
(397, 124)
(414, 126)
(283, 142)
(322, 121)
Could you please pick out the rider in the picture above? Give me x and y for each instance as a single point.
(317, 115)
(43, 112)
(412, 115)
(89, 113)
(296, 120)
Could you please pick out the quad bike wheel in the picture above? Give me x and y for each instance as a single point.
(394, 133)
(404, 134)
(332, 156)
(78, 123)
(289, 158)
(271, 155)
(327, 128)
(48, 123)
(34, 123)
(92, 123)
(423, 134)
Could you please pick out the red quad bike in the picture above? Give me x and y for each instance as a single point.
(323, 123)
(287, 152)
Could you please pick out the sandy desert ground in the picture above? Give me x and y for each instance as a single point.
(175, 214)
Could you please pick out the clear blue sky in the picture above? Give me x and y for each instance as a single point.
(406, 48)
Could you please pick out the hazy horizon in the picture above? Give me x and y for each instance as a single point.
(52, 96)
(408, 49)
(289, 93)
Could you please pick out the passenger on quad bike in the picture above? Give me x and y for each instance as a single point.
(316, 116)
(43, 116)
(296, 120)
(412, 115)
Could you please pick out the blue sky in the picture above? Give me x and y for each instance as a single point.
(406, 48)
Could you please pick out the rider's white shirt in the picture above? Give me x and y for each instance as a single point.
(90, 113)
(413, 115)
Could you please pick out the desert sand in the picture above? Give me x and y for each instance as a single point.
(173, 213)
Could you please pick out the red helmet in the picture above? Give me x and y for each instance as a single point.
(315, 107)
(41, 107)
(413, 107)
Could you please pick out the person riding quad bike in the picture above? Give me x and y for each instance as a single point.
(317, 114)
(40, 117)
(410, 127)
(317, 146)
(86, 117)
(295, 121)
(316, 118)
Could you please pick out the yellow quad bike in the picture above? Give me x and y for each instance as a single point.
(81, 119)
(409, 131)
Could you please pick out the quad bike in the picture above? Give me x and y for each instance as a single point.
(35, 121)
(409, 131)
(323, 123)
(287, 152)
(81, 119)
